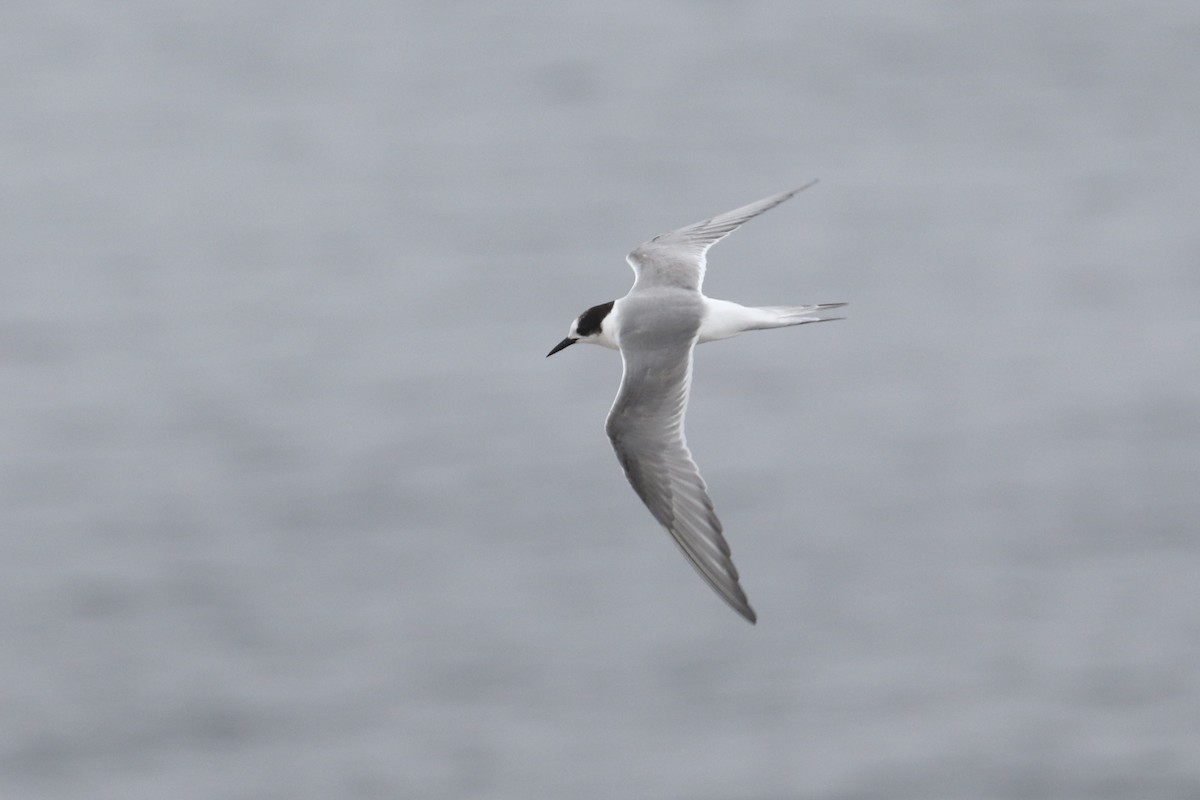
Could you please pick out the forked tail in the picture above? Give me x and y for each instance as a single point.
(723, 319)
(782, 316)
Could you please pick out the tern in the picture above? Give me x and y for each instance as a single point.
(656, 327)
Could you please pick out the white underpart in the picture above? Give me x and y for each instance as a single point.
(722, 320)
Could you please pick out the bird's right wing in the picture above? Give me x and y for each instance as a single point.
(646, 429)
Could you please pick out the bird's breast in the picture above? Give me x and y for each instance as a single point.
(661, 318)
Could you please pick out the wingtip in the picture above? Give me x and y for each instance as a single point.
(741, 604)
(808, 185)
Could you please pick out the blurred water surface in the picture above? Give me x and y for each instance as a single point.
(292, 506)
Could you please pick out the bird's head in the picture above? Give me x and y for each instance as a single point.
(594, 326)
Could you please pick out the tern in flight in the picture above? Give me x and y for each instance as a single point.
(656, 327)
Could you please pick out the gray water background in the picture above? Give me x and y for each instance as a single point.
(294, 507)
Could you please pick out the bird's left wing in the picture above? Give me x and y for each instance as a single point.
(678, 258)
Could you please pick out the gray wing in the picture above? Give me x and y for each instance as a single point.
(646, 429)
(678, 258)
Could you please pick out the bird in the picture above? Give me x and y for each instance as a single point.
(656, 327)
